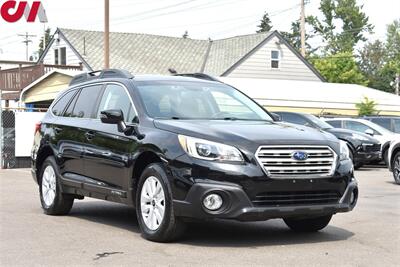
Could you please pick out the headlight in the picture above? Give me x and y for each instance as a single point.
(344, 151)
(207, 150)
(359, 137)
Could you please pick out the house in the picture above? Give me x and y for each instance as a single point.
(41, 93)
(314, 98)
(262, 55)
(18, 75)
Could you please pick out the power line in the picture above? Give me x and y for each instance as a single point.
(26, 41)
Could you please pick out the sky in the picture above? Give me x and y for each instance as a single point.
(215, 19)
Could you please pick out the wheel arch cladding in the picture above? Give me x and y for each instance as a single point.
(44, 153)
(144, 159)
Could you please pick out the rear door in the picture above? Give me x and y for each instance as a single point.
(73, 130)
(110, 151)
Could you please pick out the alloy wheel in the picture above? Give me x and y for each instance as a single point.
(49, 185)
(152, 203)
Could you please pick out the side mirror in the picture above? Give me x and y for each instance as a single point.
(116, 116)
(276, 117)
(369, 132)
(112, 116)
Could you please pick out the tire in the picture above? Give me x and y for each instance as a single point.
(308, 225)
(356, 165)
(386, 157)
(154, 196)
(53, 201)
(396, 168)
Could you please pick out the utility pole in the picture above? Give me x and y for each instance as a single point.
(106, 34)
(303, 30)
(26, 36)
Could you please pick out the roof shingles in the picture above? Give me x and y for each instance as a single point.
(153, 54)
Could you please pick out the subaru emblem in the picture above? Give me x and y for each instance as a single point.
(300, 155)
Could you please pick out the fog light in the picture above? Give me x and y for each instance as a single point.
(213, 202)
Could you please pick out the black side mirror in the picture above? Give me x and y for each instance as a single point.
(112, 116)
(276, 117)
(116, 116)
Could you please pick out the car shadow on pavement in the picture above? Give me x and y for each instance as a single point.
(108, 213)
(249, 234)
(219, 233)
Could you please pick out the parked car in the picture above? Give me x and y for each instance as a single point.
(392, 123)
(180, 147)
(364, 126)
(394, 159)
(364, 149)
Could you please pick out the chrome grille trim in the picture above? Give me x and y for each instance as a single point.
(277, 161)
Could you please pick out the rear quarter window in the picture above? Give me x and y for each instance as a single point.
(62, 103)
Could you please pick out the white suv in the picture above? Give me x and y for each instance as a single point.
(394, 159)
(364, 126)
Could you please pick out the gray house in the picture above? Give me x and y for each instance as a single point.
(263, 55)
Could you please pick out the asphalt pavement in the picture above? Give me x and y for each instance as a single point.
(107, 234)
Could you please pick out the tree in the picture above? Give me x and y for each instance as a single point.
(339, 68)
(48, 38)
(372, 59)
(354, 24)
(380, 62)
(366, 107)
(265, 24)
(293, 36)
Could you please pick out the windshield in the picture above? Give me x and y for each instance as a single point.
(198, 100)
(319, 123)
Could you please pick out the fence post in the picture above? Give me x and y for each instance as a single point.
(1, 130)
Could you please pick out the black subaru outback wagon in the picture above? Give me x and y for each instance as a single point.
(179, 148)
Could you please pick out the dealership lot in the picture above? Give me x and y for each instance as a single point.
(101, 233)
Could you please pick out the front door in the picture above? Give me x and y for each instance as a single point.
(109, 160)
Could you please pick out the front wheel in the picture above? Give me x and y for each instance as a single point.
(53, 201)
(308, 225)
(396, 168)
(154, 206)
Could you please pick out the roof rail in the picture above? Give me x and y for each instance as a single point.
(101, 74)
(199, 75)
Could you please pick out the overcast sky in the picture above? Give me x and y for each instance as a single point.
(214, 19)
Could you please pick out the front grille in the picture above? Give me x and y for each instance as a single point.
(296, 198)
(372, 147)
(278, 161)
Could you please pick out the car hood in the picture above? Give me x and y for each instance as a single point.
(346, 133)
(248, 134)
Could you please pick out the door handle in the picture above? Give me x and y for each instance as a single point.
(89, 135)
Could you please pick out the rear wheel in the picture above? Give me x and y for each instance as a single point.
(154, 206)
(396, 168)
(53, 201)
(308, 225)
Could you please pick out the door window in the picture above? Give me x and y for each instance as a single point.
(358, 126)
(294, 118)
(396, 125)
(385, 123)
(335, 124)
(84, 106)
(116, 97)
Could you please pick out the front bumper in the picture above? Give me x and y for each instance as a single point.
(238, 206)
(368, 157)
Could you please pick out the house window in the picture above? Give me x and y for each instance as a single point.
(60, 56)
(63, 56)
(275, 57)
(55, 56)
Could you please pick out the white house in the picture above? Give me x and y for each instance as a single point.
(262, 55)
